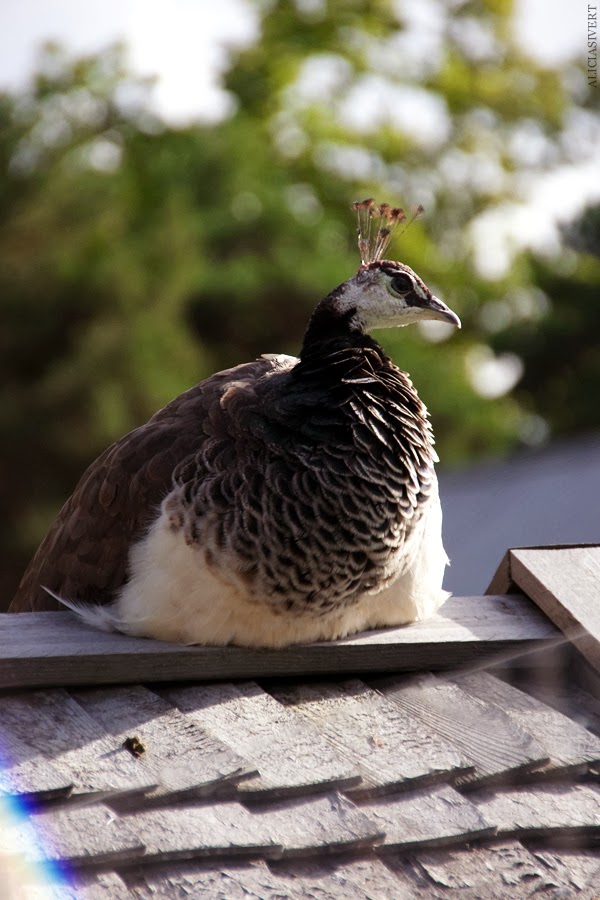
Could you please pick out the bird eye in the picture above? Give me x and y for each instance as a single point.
(402, 283)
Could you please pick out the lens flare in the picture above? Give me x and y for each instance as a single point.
(25, 871)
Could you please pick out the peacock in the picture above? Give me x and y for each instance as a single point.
(285, 500)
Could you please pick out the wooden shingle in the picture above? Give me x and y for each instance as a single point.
(291, 756)
(435, 817)
(498, 747)
(178, 754)
(544, 810)
(570, 747)
(390, 748)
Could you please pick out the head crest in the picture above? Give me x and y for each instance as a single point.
(376, 225)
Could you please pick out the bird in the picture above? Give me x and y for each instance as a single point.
(285, 500)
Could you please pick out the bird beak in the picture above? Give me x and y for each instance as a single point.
(439, 310)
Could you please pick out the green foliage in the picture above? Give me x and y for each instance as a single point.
(136, 258)
(561, 381)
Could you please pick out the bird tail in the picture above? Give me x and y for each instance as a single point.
(105, 618)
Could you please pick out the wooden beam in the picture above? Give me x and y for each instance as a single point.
(501, 582)
(564, 582)
(44, 649)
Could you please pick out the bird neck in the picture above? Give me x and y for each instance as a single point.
(344, 379)
(331, 329)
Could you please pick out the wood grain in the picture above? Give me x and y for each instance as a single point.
(78, 836)
(96, 886)
(390, 748)
(291, 828)
(500, 870)
(358, 879)
(498, 748)
(54, 728)
(325, 879)
(577, 869)
(291, 756)
(49, 648)
(434, 817)
(565, 583)
(179, 755)
(546, 810)
(570, 747)
(186, 832)
(24, 776)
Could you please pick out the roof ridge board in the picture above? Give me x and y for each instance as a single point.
(565, 591)
(464, 628)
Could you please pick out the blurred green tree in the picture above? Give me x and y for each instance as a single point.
(561, 353)
(136, 258)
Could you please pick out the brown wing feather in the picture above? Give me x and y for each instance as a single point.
(84, 555)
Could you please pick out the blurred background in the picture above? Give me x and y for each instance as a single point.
(175, 186)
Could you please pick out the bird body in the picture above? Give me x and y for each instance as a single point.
(285, 500)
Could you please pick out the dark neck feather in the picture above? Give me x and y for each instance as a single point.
(342, 373)
(330, 329)
(334, 346)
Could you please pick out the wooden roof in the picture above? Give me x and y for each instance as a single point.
(391, 765)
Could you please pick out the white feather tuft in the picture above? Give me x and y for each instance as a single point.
(105, 618)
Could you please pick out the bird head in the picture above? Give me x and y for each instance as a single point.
(385, 294)
(382, 294)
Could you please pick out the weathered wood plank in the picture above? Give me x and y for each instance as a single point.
(211, 830)
(390, 748)
(571, 700)
(498, 748)
(197, 878)
(564, 582)
(179, 755)
(55, 728)
(54, 648)
(291, 757)
(293, 827)
(326, 879)
(570, 746)
(501, 870)
(23, 777)
(543, 810)
(359, 879)
(78, 836)
(435, 817)
(577, 870)
(318, 825)
(84, 885)
(501, 583)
